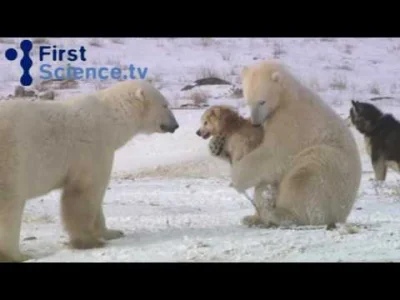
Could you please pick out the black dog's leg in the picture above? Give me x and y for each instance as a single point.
(378, 162)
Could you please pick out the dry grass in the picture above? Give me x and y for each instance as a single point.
(96, 62)
(199, 97)
(160, 43)
(39, 41)
(393, 88)
(100, 85)
(156, 80)
(375, 61)
(11, 76)
(327, 39)
(117, 41)
(206, 42)
(344, 67)
(65, 84)
(388, 190)
(237, 93)
(374, 89)
(7, 41)
(315, 85)
(395, 48)
(234, 71)
(95, 43)
(338, 83)
(123, 67)
(206, 72)
(348, 49)
(112, 62)
(337, 102)
(115, 63)
(46, 218)
(278, 50)
(226, 56)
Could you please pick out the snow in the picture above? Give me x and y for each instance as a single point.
(172, 199)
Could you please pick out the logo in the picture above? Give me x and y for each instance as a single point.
(49, 54)
(25, 62)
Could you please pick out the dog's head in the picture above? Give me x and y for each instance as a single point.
(217, 120)
(364, 116)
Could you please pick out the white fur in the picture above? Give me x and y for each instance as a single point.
(70, 145)
(308, 151)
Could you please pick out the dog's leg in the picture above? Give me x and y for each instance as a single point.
(378, 163)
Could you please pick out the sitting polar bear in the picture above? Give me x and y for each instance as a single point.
(307, 152)
(70, 145)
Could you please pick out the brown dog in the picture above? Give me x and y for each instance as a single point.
(236, 134)
(232, 138)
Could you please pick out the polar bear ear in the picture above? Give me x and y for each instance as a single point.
(139, 94)
(276, 76)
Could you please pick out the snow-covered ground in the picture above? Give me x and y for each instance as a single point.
(172, 199)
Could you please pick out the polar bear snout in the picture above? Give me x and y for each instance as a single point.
(257, 117)
(259, 114)
(169, 128)
(168, 122)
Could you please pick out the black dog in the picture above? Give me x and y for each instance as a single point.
(382, 136)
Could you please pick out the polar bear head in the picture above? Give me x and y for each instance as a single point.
(156, 115)
(141, 107)
(264, 86)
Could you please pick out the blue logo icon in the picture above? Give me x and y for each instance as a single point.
(52, 53)
(25, 62)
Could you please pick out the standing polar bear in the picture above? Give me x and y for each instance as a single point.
(307, 152)
(70, 145)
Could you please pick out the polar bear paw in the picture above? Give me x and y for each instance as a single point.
(87, 243)
(112, 234)
(18, 257)
(251, 220)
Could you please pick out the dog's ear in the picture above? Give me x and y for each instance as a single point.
(356, 105)
(217, 112)
(229, 118)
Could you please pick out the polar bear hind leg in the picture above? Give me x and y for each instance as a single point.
(307, 195)
(265, 200)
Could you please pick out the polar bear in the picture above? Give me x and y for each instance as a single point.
(70, 145)
(308, 151)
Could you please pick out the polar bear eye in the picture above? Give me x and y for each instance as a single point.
(262, 102)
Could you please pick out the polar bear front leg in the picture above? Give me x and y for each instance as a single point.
(103, 231)
(11, 211)
(81, 205)
(260, 165)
